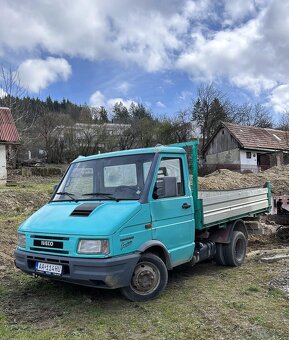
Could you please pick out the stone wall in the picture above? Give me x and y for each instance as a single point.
(41, 171)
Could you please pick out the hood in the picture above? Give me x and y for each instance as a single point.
(56, 218)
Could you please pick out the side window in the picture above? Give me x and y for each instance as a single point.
(172, 167)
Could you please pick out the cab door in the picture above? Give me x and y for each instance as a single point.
(173, 217)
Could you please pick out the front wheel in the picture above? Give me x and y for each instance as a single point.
(148, 280)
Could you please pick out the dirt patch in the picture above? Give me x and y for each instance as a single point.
(26, 305)
(224, 179)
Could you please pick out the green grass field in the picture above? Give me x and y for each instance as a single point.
(203, 302)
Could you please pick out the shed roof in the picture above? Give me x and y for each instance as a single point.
(8, 130)
(250, 137)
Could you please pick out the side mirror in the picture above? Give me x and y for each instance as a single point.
(165, 187)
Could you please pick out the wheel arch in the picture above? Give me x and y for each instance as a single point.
(225, 235)
(239, 225)
(157, 248)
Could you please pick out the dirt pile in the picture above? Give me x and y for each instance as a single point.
(225, 179)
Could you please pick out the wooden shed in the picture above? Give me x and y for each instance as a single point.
(245, 148)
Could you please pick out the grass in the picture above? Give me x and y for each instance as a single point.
(202, 302)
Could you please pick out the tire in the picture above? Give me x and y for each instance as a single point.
(219, 257)
(148, 280)
(235, 251)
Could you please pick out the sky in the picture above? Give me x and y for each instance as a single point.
(154, 52)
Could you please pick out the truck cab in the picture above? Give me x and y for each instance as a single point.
(106, 212)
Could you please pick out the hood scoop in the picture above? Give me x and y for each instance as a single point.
(85, 209)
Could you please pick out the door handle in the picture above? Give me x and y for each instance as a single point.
(186, 206)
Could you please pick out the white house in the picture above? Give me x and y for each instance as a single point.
(9, 138)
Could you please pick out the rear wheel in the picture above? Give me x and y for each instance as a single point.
(235, 251)
(149, 279)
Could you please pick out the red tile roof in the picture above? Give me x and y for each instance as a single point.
(250, 137)
(8, 130)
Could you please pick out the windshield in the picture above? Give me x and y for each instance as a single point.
(113, 178)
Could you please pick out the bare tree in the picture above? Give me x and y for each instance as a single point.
(91, 139)
(284, 122)
(14, 96)
(50, 127)
(13, 92)
(208, 110)
(182, 126)
(251, 115)
(125, 140)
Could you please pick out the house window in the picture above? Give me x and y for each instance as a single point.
(248, 154)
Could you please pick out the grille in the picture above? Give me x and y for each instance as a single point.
(49, 244)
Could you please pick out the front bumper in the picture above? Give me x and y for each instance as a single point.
(110, 273)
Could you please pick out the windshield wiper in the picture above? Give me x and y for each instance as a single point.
(67, 194)
(108, 195)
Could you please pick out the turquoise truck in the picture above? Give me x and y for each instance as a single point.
(124, 219)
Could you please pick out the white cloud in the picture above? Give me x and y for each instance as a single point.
(98, 99)
(126, 102)
(124, 87)
(160, 104)
(2, 93)
(250, 48)
(253, 55)
(143, 32)
(236, 10)
(279, 98)
(168, 81)
(37, 74)
(185, 95)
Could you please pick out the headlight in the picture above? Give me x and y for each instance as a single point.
(93, 247)
(22, 240)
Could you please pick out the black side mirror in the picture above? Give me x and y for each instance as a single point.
(165, 187)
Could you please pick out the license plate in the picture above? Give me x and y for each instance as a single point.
(48, 268)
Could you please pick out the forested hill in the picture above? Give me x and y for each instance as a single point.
(36, 106)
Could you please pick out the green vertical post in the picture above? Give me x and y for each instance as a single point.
(195, 171)
(194, 186)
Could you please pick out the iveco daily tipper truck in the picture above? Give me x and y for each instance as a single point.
(123, 219)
